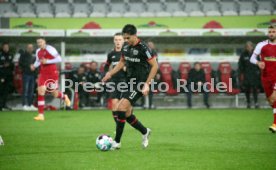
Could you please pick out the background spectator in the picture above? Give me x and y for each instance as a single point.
(94, 76)
(6, 75)
(80, 78)
(26, 59)
(196, 79)
(251, 75)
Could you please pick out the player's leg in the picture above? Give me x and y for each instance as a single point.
(123, 106)
(58, 94)
(115, 103)
(272, 100)
(270, 91)
(135, 123)
(53, 87)
(41, 90)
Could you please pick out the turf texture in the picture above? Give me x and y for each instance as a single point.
(181, 139)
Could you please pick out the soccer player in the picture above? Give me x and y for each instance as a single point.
(141, 67)
(46, 58)
(267, 63)
(113, 59)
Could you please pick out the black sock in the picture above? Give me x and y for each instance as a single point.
(115, 116)
(135, 123)
(120, 125)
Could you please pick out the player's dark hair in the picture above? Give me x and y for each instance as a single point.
(129, 29)
(118, 34)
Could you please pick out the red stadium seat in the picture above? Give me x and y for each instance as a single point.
(166, 76)
(18, 79)
(225, 70)
(102, 67)
(207, 67)
(184, 69)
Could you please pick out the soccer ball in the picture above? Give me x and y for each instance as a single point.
(104, 142)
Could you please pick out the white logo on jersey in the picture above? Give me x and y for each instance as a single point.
(135, 52)
(113, 56)
(135, 60)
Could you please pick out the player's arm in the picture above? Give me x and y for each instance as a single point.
(117, 68)
(154, 68)
(54, 53)
(253, 58)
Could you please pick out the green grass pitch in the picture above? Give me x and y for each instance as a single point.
(181, 139)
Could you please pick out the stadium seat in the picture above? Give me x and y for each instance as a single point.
(264, 7)
(7, 10)
(228, 7)
(175, 8)
(154, 6)
(130, 14)
(114, 14)
(180, 14)
(102, 67)
(193, 8)
(25, 10)
(210, 8)
(116, 7)
(184, 69)
(207, 67)
(62, 10)
(44, 10)
(136, 7)
(162, 14)
(225, 71)
(81, 10)
(246, 7)
(166, 76)
(147, 14)
(99, 8)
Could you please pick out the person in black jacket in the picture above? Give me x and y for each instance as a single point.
(94, 76)
(6, 75)
(26, 60)
(251, 75)
(196, 79)
(80, 78)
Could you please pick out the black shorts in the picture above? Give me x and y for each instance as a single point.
(116, 93)
(132, 95)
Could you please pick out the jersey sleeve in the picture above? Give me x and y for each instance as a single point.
(258, 48)
(148, 52)
(55, 54)
(257, 51)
